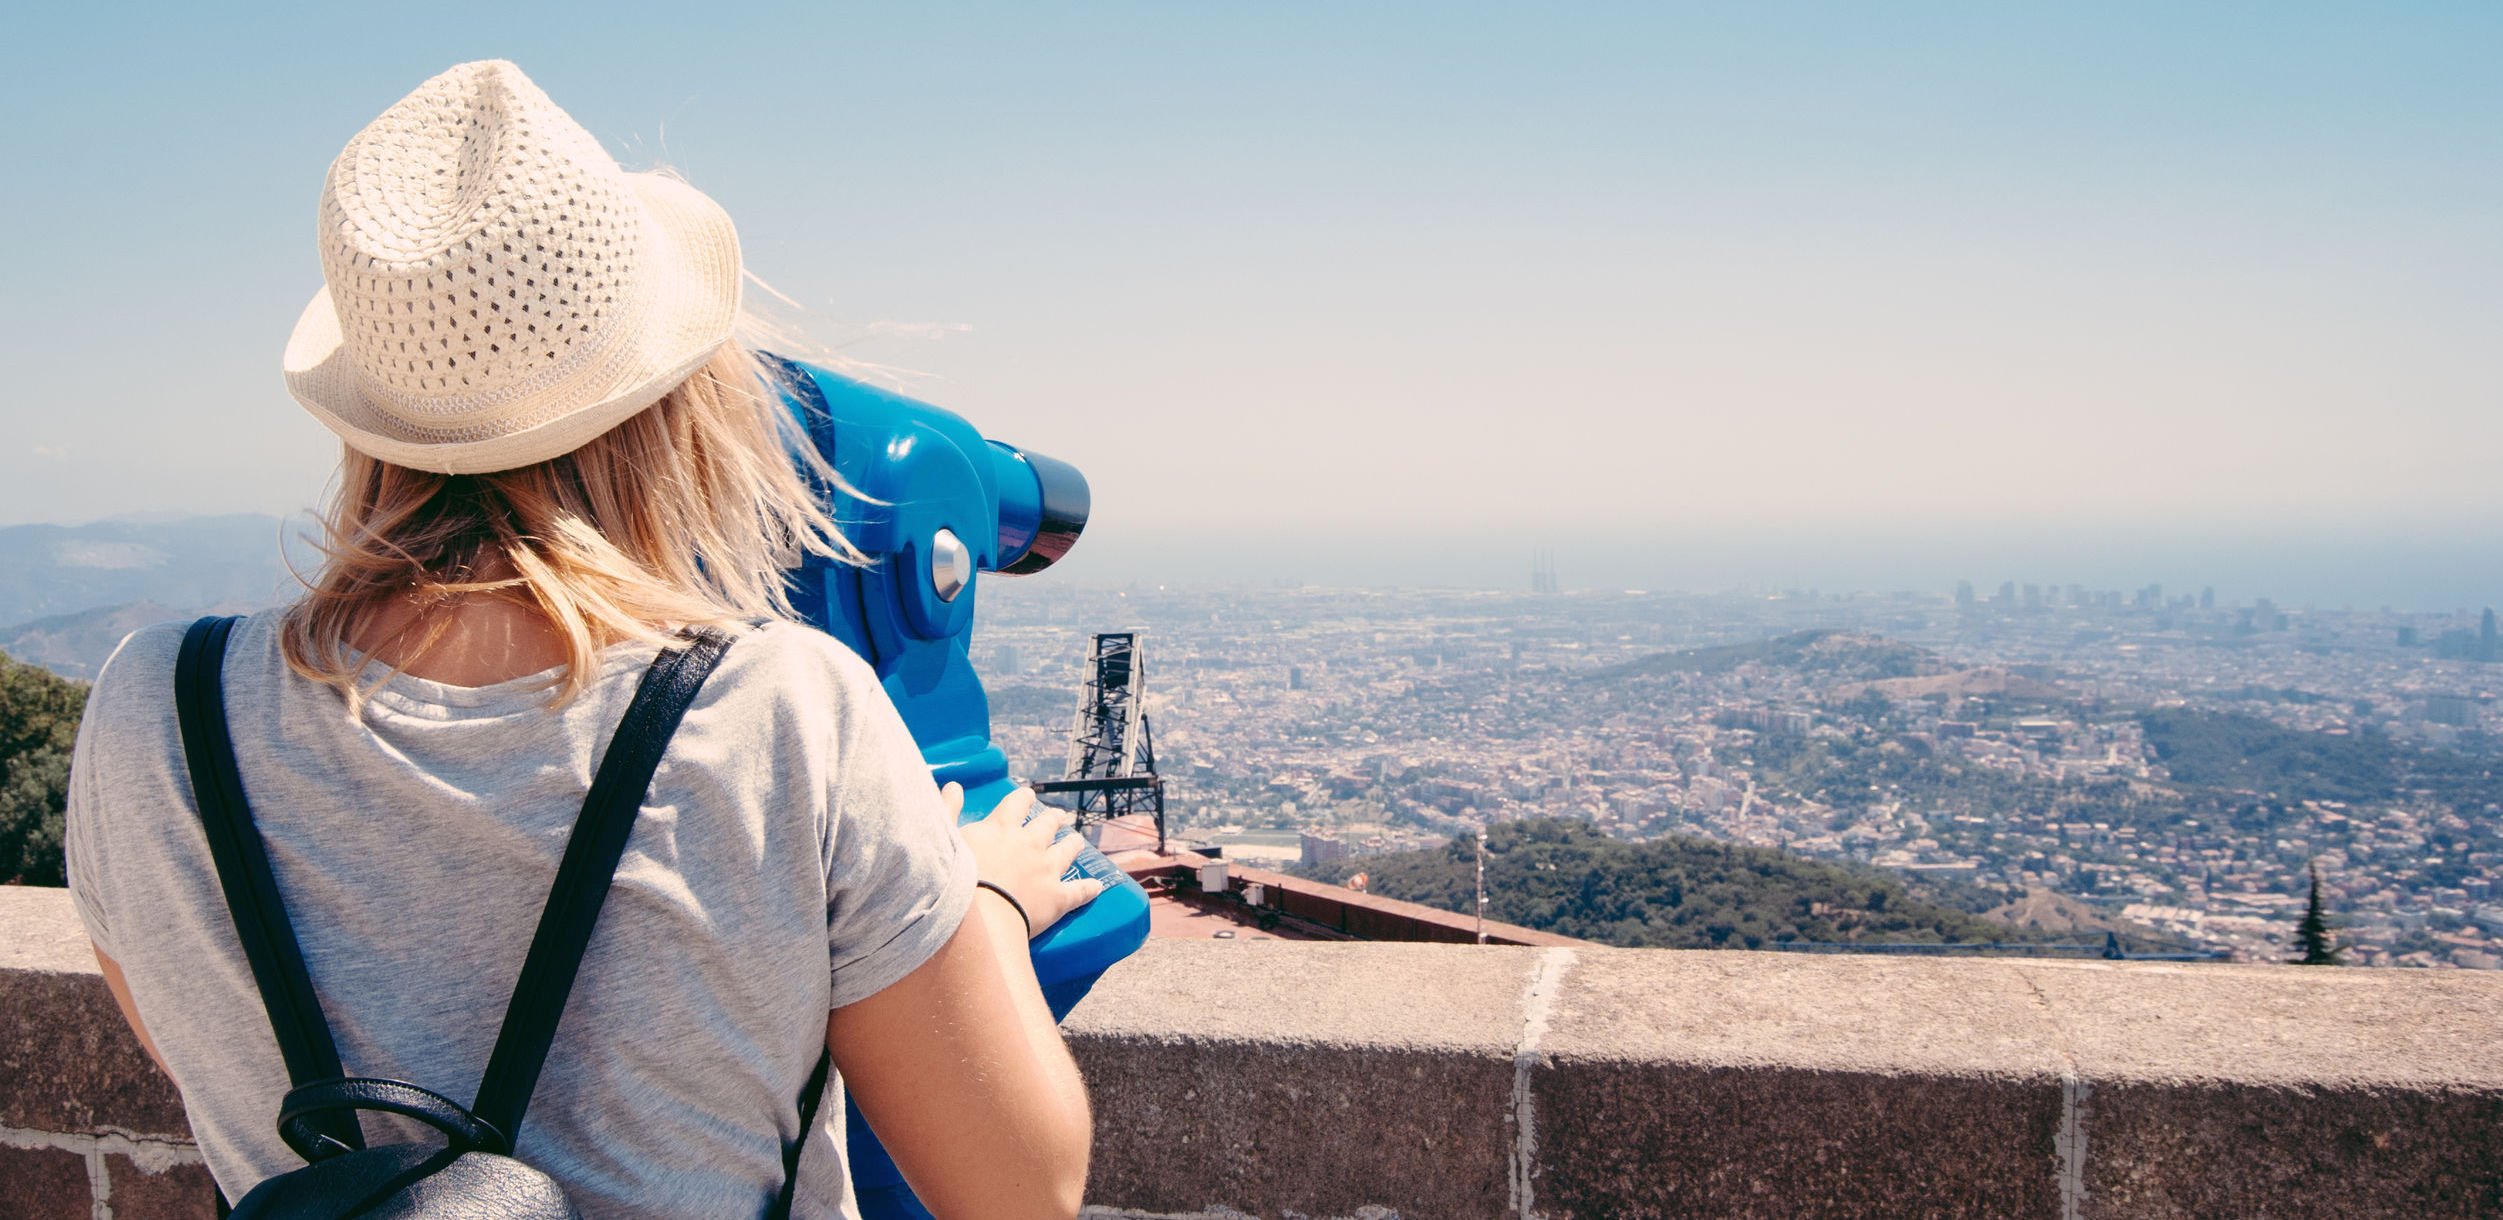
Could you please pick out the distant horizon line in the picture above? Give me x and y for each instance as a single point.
(2398, 570)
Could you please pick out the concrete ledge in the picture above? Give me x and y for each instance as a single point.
(1264, 1078)
(1656, 1083)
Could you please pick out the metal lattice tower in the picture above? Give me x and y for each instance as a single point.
(1112, 749)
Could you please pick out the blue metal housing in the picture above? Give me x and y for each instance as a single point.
(918, 470)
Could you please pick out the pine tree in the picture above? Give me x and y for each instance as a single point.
(2311, 936)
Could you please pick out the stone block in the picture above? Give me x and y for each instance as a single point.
(67, 1060)
(1318, 1079)
(1729, 1084)
(69, 1063)
(2284, 1150)
(44, 1184)
(2308, 1026)
(1324, 1130)
(175, 1192)
(1406, 995)
(1622, 1139)
(1874, 1015)
(2283, 1091)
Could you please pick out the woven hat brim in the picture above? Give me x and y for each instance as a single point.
(693, 263)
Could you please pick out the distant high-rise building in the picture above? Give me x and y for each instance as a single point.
(1321, 849)
(2033, 597)
(2408, 637)
(2007, 593)
(1543, 571)
(2207, 598)
(1294, 677)
(1964, 592)
(2451, 709)
(2485, 636)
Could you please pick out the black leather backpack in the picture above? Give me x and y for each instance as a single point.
(473, 1173)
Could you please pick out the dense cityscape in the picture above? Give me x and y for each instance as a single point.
(2169, 764)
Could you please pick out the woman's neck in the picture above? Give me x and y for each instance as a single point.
(485, 640)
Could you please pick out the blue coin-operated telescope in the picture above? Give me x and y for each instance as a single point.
(939, 504)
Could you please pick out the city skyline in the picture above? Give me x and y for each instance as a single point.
(2172, 756)
(2433, 574)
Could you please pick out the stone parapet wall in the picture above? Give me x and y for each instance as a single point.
(1270, 1079)
(1324, 1079)
(89, 1128)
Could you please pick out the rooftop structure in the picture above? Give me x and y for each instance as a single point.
(1195, 896)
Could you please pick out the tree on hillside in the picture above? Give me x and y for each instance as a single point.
(1565, 875)
(38, 725)
(2311, 937)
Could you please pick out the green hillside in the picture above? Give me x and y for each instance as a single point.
(2235, 752)
(1564, 876)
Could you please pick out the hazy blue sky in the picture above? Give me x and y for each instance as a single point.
(1416, 282)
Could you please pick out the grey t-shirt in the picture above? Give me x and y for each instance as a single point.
(793, 857)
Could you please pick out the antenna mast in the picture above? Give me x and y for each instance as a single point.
(1112, 750)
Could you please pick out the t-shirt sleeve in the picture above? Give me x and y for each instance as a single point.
(107, 730)
(898, 877)
(80, 835)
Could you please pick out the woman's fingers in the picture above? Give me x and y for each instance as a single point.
(1065, 852)
(1078, 893)
(1018, 804)
(1029, 854)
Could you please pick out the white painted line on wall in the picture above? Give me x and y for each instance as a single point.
(1546, 978)
(153, 1154)
(150, 1153)
(1096, 1212)
(2071, 1146)
(2068, 1147)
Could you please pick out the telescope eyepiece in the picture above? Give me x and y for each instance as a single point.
(1061, 516)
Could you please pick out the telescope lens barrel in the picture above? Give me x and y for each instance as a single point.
(1037, 527)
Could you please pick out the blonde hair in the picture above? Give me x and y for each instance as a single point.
(687, 513)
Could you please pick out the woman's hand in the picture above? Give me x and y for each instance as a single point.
(1013, 849)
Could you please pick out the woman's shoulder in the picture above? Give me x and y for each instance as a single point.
(797, 663)
(797, 696)
(124, 776)
(146, 653)
(137, 680)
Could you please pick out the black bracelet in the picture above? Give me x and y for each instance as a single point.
(1013, 904)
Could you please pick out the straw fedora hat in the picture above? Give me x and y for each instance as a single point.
(497, 291)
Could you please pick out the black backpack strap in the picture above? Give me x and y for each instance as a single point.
(581, 888)
(810, 1094)
(243, 872)
(582, 879)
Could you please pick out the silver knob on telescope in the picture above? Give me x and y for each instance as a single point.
(951, 565)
